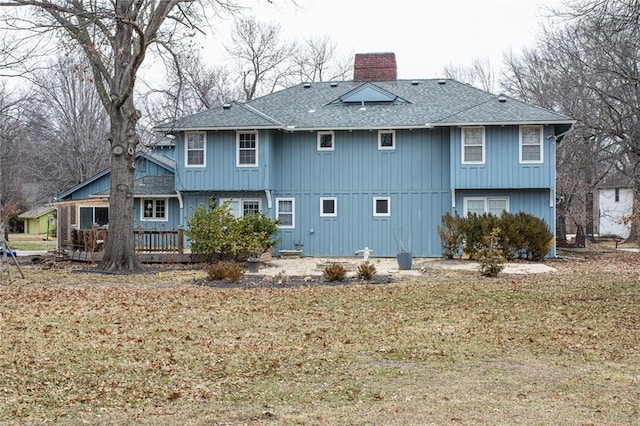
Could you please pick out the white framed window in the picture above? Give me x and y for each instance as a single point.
(473, 145)
(481, 205)
(153, 209)
(386, 139)
(195, 149)
(328, 206)
(240, 207)
(286, 212)
(326, 141)
(382, 206)
(247, 149)
(531, 143)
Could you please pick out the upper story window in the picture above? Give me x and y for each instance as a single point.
(325, 141)
(247, 149)
(473, 145)
(617, 195)
(481, 205)
(381, 206)
(196, 148)
(531, 144)
(387, 139)
(153, 209)
(328, 206)
(285, 212)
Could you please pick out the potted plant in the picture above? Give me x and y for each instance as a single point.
(404, 257)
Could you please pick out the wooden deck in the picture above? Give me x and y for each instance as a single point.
(95, 257)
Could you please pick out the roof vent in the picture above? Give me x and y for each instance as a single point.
(442, 81)
(415, 82)
(502, 98)
(226, 106)
(306, 85)
(334, 84)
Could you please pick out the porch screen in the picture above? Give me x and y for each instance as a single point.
(91, 215)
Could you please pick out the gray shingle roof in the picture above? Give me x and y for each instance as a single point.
(435, 102)
(149, 186)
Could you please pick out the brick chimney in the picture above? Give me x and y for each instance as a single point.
(375, 67)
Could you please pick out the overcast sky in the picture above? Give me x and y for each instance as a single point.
(425, 35)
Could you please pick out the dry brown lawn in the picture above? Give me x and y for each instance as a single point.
(449, 347)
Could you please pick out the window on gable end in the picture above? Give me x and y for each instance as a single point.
(326, 141)
(386, 139)
(473, 145)
(531, 144)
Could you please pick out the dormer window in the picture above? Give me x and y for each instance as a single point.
(369, 93)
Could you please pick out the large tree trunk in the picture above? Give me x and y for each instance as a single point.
(120, 253)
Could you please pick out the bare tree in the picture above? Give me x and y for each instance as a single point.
(68, 127)
(115, 38)
(316, 60)
(586, 66)
(479, 74)
(10, 153)
(192, 85)
(264, 61)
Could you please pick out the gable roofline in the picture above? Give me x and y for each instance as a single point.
(82, 184)
(167, 164)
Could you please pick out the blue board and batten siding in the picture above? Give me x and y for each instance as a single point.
(502, 167)
(414, 176)
(220, 172)
(417, 176)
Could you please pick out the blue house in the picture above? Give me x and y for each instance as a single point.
(371, 162)
(157, 204)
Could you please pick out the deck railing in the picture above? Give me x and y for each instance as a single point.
(146, 240)
(155, 241)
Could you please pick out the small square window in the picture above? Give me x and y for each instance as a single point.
(328, 206)
(382, 206)
(325, 141)
(531, 144)
(387, 139)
